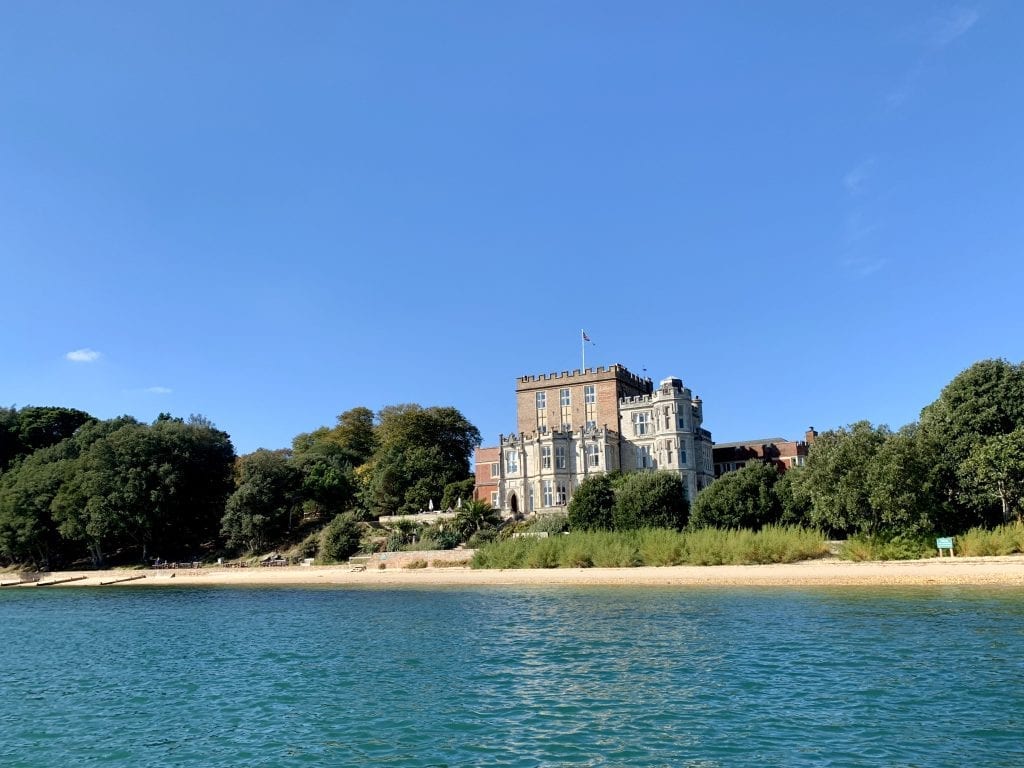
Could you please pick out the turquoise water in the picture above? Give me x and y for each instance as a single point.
(511, 677)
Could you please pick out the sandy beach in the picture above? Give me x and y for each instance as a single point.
(1006, 571)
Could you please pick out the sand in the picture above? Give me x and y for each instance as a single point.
(1005, 571)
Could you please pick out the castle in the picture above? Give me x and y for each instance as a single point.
(571, 425)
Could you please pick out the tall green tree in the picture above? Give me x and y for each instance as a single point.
(903, 488)
(419, 452)
(265, 501)
(995, 469)
(837, 478)
(28, 532)
(983, 401)
(745, 498)
(353, 435)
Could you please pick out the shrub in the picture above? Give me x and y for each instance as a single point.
(620, 549)
(340, 539)
(660, 547)
(551, 524)
(650, 500)
(742, 499)
(415, 564)
(544, 554)
(980, 542)
(860, 548)
(590, 508)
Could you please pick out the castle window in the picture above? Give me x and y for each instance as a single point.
(643, 459)
(511, 462)
(494, 498)
(641, 423)
(593, 455)
(545, 456)
(530, 498)
(589, 394)
(542, 420)
(560, 457)
(495, 471)
(547, 498)
(590, 405)
(682, 456)
(565, 401)
(562, 495)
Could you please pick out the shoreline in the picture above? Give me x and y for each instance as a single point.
(970, 571)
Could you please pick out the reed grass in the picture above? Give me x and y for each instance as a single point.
(864, 548)
(654, 547)
(980, 542)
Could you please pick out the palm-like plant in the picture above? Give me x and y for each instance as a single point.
(475, 516)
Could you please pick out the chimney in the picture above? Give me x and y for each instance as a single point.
(810, 435)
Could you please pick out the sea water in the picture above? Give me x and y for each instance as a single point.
(511, 677)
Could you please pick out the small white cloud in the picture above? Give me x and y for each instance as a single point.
(84, 355)
(856, 179)
(947, 26)
(159, 390)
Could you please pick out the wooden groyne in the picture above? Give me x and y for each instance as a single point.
(59, 581)
(120, 581)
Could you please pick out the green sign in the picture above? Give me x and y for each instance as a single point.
(944, 543)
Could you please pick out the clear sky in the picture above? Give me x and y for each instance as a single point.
(271, 212)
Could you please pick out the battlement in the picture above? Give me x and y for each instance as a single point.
(601, 373)
(657, 395)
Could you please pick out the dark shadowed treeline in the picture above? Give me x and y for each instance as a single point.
(73, 488)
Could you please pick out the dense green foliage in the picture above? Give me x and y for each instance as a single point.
(654, 547)
(590, 508)
(74, 488)
(420, 451)
(629, 502)
(649, 500)
(961, 466)
(340, 539)
(118, 485)
(745, 498)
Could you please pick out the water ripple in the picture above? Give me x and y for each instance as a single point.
(513, 677)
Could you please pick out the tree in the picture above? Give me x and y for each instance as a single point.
(983, 401)
(353, 435)
(837, 478)
(419, 452)
(34, 428)
(902, 487)
(328, 479)
(340, 538)
(742, 499)
(650, 500)
(265, 498)
(28, 532)
(590, 508)
(795, 504)
(995, 468)
(455, 490)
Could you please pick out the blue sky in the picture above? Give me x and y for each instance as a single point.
(271, 212)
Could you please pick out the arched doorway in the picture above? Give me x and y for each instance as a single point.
(513, 502)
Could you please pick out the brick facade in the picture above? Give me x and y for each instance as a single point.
(784, 454)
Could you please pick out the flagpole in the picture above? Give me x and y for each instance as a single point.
(583, 352)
